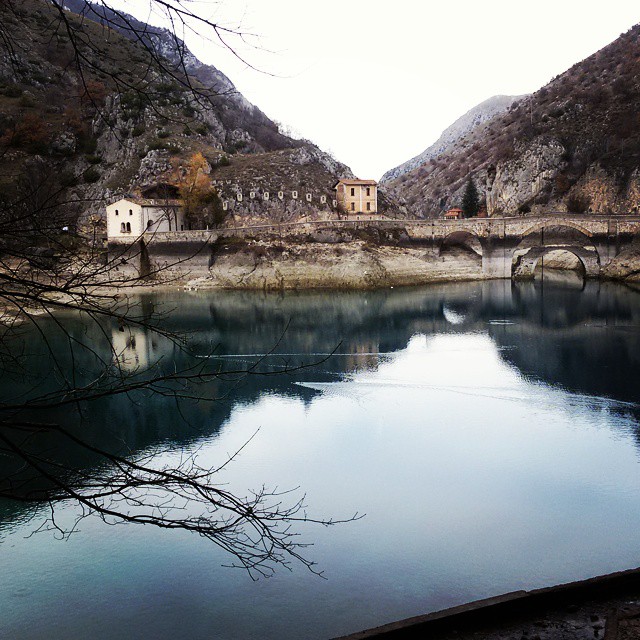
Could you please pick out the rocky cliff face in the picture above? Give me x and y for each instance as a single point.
(573, 146)
(458, 130)
(241, 119)
(124, 123)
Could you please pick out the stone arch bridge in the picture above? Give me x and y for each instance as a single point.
(507, 247)
(512, 247)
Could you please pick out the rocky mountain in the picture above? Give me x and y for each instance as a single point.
(133, 114)
(573, 145)
(458, 130)
(234, 109)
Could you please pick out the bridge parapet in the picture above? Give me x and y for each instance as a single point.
(436, 228)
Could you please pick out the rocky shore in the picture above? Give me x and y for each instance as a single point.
(336, 256)
(270, 265)
(357, 265)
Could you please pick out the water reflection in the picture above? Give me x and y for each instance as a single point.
(585, 339)
(470, 421)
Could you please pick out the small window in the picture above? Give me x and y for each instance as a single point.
(130, 212)
(117, 213)
(353, 206)
(128, 227)
(353, 191)
(123, 228)
(368, 206)
(294, 195)
(368, 191)
(149, 223)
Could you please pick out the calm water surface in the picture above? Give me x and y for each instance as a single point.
(489, 431)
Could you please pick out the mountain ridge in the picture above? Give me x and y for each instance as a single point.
(464, 124)
(573, 145)
(121, 123)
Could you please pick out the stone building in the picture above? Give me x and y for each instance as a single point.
(131, 217)
(357, 196)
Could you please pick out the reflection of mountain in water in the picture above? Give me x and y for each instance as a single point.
(584, 340)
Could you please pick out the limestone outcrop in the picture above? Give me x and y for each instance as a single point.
(574, 145)
(524, 179)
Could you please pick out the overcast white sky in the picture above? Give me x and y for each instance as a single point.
(376, 82)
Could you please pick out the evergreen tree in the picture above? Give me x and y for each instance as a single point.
(470, 200)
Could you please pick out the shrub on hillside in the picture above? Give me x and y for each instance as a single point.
(30, 134)
(578, 203)
(91, 175)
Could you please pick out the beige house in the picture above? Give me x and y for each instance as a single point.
(131, 217)
(357, 196)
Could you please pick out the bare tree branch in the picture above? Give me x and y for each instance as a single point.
(52, 281)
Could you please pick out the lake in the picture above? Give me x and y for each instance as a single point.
(488, 431)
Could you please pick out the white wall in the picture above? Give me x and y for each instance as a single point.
(124, 212)
(163, 218)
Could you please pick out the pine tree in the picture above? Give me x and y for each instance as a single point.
(470, 200)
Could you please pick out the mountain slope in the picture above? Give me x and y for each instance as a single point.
(123, 123)
(574, 144)
(463, 125)
(232, 108)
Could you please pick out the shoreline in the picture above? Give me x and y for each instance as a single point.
(605, 606)
(323, 263)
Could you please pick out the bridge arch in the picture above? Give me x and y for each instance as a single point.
(548, 236)
(464, 239)
(524, 264)
(549, 224)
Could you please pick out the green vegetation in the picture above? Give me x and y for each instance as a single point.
(156, 145)
(470, 200)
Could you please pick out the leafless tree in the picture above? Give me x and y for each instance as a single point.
(48, 271)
